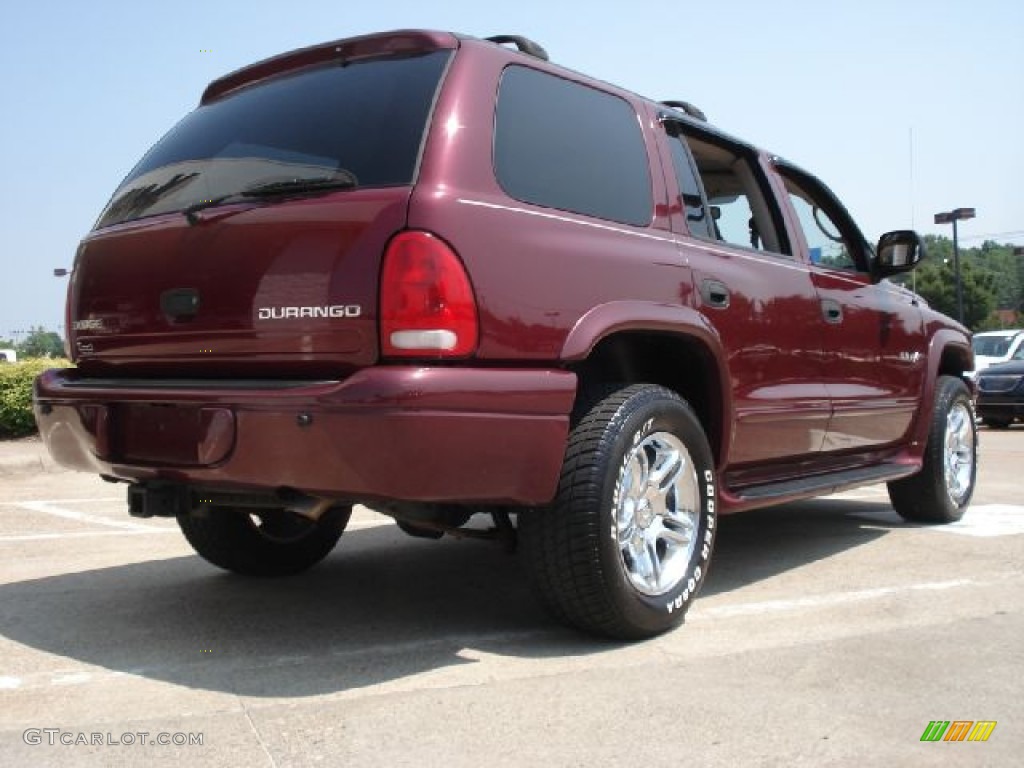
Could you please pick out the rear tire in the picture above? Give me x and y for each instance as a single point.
(942, 490)
(626, 544)
(263, 542)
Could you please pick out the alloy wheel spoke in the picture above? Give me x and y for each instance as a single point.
(674, 536)
(665, 474)
(658, 513)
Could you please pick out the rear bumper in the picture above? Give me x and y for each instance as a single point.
(405, 433)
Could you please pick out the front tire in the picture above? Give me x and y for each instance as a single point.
(263, 542)
(626, 544)
(942, 490)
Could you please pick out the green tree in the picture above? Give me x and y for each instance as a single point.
(938, 248)
(1000, 261)
(41, 343)
(936, 282)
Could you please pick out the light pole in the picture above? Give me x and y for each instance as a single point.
(952, 217)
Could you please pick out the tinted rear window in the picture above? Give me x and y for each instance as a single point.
(563, 145)
(367, 118)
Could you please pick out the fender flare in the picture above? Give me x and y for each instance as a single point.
(942, 340)
(613, 317)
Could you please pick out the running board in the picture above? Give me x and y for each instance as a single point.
(823, 485)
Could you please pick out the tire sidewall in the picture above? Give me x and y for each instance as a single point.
(648, 412)
(952, 391)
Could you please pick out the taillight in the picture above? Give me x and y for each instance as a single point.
(427, 306)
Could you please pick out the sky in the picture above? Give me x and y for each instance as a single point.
(904, 107)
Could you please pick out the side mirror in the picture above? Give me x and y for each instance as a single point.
(897, 252)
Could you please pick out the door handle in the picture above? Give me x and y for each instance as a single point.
(715, 294)
(832, 311)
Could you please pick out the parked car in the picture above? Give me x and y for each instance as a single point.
(1000, 399)
(994, 347)
(449, 279)
(8, 356)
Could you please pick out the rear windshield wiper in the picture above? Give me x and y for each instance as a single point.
(192, 210)
(340, 179)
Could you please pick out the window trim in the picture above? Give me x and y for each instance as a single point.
(673, 130)
(834, 209)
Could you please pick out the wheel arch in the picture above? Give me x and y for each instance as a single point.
(949, 354)
(673, 346)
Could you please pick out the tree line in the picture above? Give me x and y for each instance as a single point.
(38, 342)
(992, 278)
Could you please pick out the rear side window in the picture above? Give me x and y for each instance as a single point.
(365, 119)
(563, 145)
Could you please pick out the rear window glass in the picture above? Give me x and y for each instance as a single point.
(366, 118)
(563, 145)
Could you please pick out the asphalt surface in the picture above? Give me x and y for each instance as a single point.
(829, 633)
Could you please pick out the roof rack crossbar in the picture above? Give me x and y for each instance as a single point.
(524, 44)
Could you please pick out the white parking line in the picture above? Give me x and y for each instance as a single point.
(824, 601)
(8, 683)
(57, 508)
(983, 520)
(19, 537)
(51, 508)
(96, 500)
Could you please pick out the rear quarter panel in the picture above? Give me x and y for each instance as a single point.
(536, 271)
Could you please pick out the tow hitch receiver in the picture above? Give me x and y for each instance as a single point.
(158, 500)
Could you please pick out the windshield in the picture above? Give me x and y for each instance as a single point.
(364, 120)
(991, 346)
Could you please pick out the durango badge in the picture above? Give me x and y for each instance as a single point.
(289, 313)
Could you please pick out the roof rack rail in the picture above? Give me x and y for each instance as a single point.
(524, 44)
(688, 108)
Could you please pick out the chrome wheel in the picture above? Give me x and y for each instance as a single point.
(657, 513)
(958, 460)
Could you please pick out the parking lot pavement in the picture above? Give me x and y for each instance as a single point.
(829, 633)
(27, 454)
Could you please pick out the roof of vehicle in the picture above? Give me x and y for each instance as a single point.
(405, 41)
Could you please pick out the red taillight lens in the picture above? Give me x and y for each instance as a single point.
(427, 307)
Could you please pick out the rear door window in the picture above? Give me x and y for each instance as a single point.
(564, 145)
(743, 212)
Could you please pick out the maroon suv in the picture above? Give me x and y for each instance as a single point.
(444, 277)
